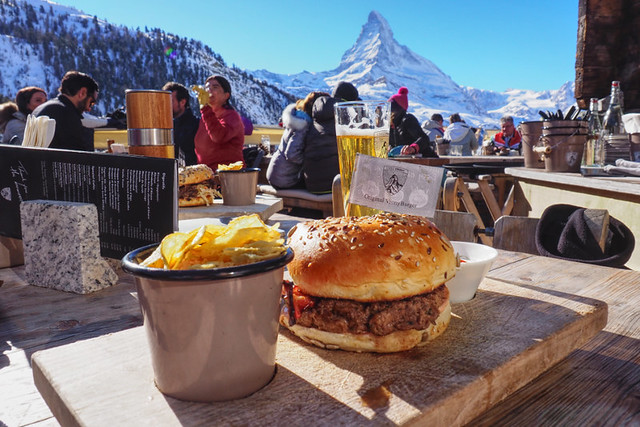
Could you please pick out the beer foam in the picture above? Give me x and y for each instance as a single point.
(343, 130)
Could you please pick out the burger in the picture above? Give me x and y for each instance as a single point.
(196, 186)
(368, 284)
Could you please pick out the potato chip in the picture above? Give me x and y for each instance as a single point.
(154, 260)
(245, 240)
(231, 166)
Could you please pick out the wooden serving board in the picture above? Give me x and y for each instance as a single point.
(265, 206)
(495, 344)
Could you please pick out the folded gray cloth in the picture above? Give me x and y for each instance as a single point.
(623, 167)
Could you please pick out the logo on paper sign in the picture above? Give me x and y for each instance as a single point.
(395, 187)
(394, 179)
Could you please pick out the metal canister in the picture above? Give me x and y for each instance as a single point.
(150, 123)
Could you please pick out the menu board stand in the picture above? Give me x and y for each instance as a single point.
(135, 196)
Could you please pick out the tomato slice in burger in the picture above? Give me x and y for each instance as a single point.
(301, 302)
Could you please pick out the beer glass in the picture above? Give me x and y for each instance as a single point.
(361, 127)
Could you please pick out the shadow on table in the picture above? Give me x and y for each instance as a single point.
(490, 337)
(34, 318)
(594, 383)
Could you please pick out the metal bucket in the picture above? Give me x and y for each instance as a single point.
(442, 149)
(531, 133)
(239, 187)
(634, 147)
(563, 153)
(565, 127)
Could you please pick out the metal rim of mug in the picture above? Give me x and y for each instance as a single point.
(130, 264)
(244, 170)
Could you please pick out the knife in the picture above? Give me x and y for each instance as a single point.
(569, 115)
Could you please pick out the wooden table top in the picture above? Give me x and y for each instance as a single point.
(598, 383)
(265, 206)
(625, 185)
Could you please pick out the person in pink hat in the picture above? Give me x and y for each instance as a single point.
(405, 134)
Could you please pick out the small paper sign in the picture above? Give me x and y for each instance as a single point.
(393, 186)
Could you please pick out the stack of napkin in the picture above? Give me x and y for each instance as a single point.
(623, 167)
(39, 131)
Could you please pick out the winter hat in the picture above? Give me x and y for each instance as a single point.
(401, 98)
(346, 91)
(562, 232)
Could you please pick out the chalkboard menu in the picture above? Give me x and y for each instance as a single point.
(136, 196)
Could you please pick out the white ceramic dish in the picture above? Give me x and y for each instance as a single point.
(476, 260)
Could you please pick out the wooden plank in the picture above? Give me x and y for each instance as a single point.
(598, 222)
(608, 48)
(456, 225)
(489, 198)
(516, 233)
(449, 382)
(470, 206)
(596, 384)
(265, 206)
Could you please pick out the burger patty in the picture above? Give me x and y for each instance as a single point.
(189, 191)
(378, 318)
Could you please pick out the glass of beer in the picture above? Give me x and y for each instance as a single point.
(361, 127)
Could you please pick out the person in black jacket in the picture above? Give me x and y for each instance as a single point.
(78, 94)
(320, 163)
(405, 130)
(185, 123)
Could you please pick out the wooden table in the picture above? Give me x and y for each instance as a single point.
(538, 189)
(495, 187)
(265, 206)
(599, 383)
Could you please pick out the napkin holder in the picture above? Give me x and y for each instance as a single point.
(62, 247)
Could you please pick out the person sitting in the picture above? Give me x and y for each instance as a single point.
(6, 113)
(320, 163)
(405, 130)
(78, 93)
(27, 99)
(285, 167)
(508, 139)
(345, 92)
(433, 127)
(220, 136)
(185, 123)
(458, 133)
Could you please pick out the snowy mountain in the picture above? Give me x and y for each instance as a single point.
(41, 40)
(378, 65)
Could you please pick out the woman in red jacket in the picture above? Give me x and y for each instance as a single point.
(220, 136)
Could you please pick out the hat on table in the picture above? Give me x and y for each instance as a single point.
(401, 98)
(562, 232)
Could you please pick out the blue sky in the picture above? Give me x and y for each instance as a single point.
(496, 45)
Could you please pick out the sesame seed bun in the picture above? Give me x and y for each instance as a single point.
(367, 259)
(194, 174)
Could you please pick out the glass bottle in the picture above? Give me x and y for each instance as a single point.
(594, 147)
(612, 123)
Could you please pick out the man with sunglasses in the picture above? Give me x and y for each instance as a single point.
(78, 93)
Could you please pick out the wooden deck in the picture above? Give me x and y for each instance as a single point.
(597, 384)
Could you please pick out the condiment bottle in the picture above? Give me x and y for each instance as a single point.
(612, 123)
(594, 147)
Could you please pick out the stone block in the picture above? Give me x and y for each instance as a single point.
(62, 247)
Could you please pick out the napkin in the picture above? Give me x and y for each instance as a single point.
(623, 167)
(38, 131)
(631, 122)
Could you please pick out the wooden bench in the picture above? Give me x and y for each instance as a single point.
(299, 198)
